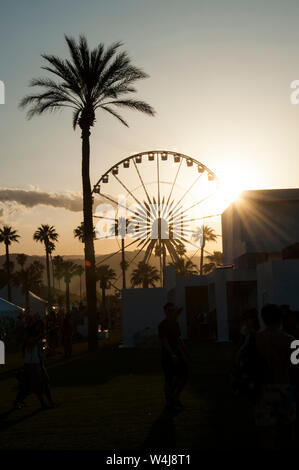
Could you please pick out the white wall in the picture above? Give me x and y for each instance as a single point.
(141, 308)
(261, 221)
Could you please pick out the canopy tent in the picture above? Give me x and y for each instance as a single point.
(7, 309)
(36, 303)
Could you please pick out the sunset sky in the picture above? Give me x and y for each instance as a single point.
(220, 75)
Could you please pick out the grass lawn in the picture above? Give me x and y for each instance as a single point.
(113, 399)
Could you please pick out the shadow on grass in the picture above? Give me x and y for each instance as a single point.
(162, 434)
(227, 421)
(100, 367)
(17, 420)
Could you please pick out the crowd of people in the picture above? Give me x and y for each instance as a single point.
(33, 377)
(39, 337)
(264, 373)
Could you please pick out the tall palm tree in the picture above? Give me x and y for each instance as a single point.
(68, 270)
(90, 80)
(80, 271)
(204, 234)
(51, 249)
(105, 275)
(7, 236)
(120, 229)
(144, 275)
(57, 263)
(29, 278)
(46, 234)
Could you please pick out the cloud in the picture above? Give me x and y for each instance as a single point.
(32, 198)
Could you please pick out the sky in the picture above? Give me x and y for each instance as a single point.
(220, 74)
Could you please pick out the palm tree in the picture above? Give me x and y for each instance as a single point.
(185, 267)
(29, 278)
(80, 271)
(68, 271)
(204, 234)
(79, 233)
(144, 275)
(7, 236)
(90, 80)
(214, 260)
(46, 234)
(21, 259)
(105, 275)
(57, 263)
(120, 229)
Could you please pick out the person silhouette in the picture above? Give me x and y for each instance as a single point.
(173, 352)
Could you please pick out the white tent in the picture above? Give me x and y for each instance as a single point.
(7, 309)
(36, 304)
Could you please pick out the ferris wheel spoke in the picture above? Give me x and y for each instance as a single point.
(187, 191)
(127, 189)
(116, 252)
(149, 250)
(139, 251)
(189, 242)
(202, 218)
(158, 181)
(174, 181)
(194, 254)
(171, 250)
(117, 203)
(189, 259)
(106, 218)
(142, 182)
(196, 203)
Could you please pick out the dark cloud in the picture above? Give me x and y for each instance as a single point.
(71, 202)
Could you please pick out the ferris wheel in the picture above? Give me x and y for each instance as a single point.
(155, 202)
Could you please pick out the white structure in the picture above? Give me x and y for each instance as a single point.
(259, 225)
(141, 309)
(260, 235)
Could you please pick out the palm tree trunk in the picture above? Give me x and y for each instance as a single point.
(80, 287)
(88, 244)
(8, 273)
(53, 277)
(123, 262)
(48, 276)
(201, 258)
(67, 296)
(104, 298)
(27, 304)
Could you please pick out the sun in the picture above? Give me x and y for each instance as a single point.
(231, 184)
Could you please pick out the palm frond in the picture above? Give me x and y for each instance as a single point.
(137, 105)
(115, 114)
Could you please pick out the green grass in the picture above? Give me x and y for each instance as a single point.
(113, 399)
